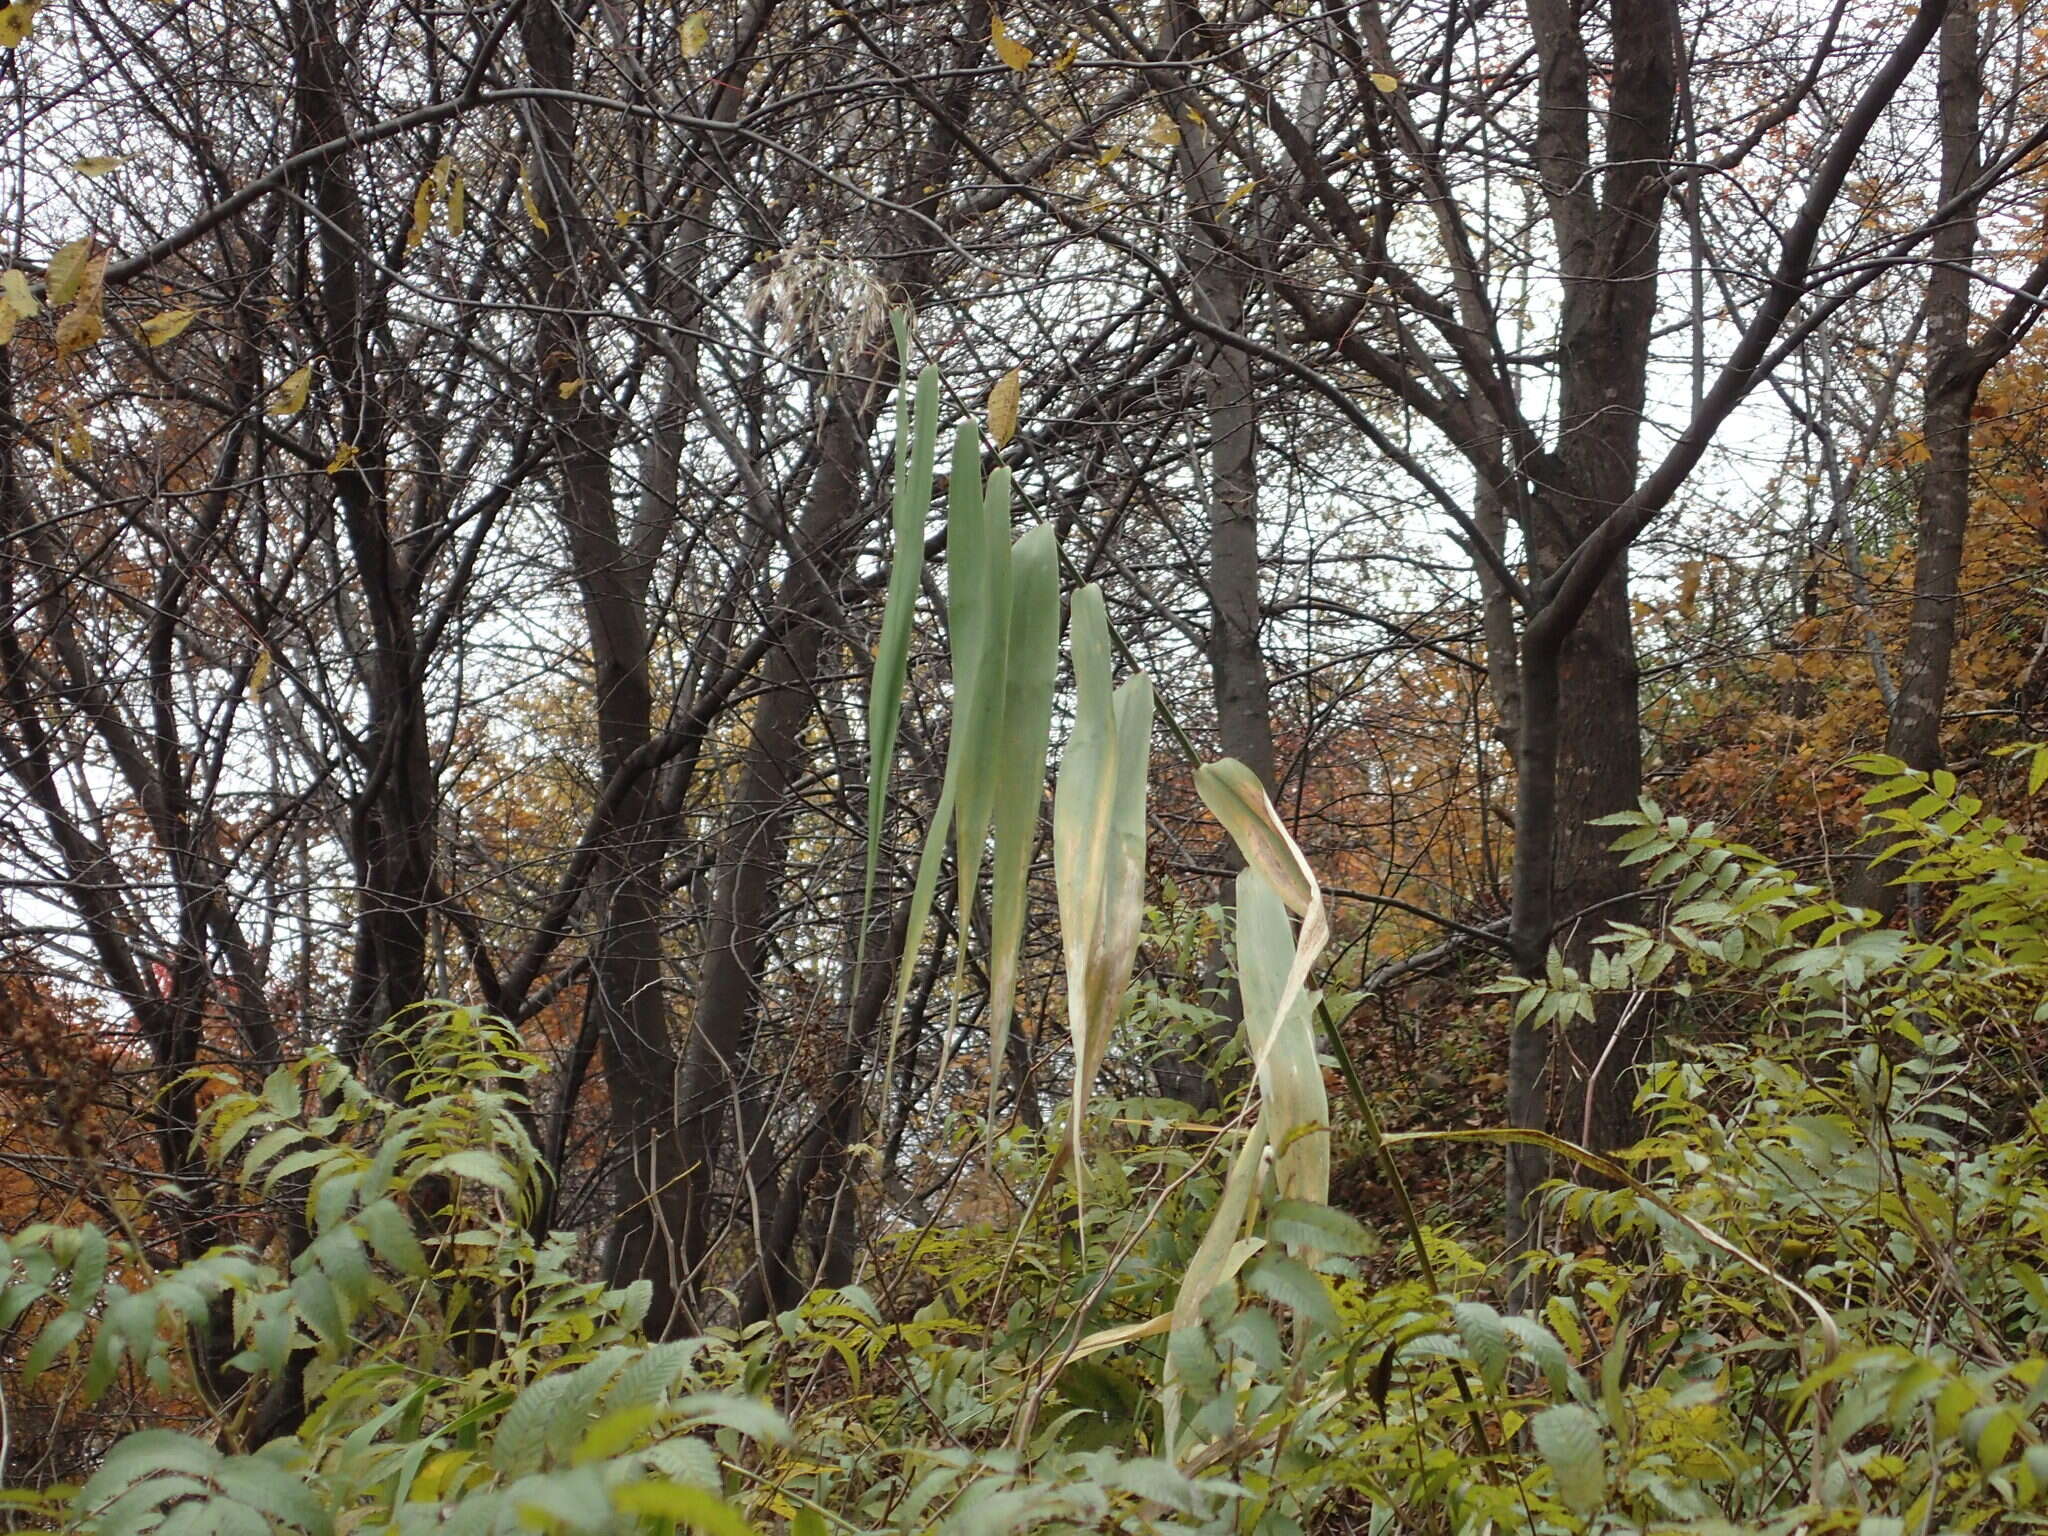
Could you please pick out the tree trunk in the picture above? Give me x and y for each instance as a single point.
(395, 810)
(1955, 369)
(1219, 287)
(611, 571)
(758, 816)
(1580, 754)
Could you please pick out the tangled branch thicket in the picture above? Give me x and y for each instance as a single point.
(902, 767)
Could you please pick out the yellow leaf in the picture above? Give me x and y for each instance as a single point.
(160, 330)
(344, 456)
(16, 294)
(92, 284)
(259, 674)
(1239, 195)
(96, 166)
(8, 321)
(1128, 1333)
(77, 442)
(67, 267)
(532, 207)
(458, 203)
(427, 1487)
(568, 387)
(1067, 57)
(1111, 155)
(292, 394)
(693, 33)
(1689, 587)
(422, 213)
(1164, 131)
(79, 329)
(1008, 49)
(16, 21)
(433, 189)
(1384, 83)
(1002, 407)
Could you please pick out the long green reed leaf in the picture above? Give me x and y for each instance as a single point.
(1099, 844)
(967, 624)
(1031, 669)
(1294, 1105)
(1218, 1257)
(917, 435)
(1279, 1019)
(978, 604)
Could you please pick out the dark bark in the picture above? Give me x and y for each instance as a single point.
(394, 812)
(611, 569)
(720, 1095)
(757, 817)
(1220, 280)
(1580, 748)
(1955, 371)
(821, 1174)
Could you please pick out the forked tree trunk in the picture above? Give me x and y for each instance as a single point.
(1580, 744)
(611, 571)
(395, 812)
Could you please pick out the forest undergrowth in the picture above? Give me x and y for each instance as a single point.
(1811, 1299)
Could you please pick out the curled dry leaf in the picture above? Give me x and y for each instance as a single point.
(16, 22)
(439, 188)
(1002, 407)
(67, 269)
(79, 329)
(1008, 49)
(161, 330)
(529, 202)
(16, 294)
(290, 396)
(92, 284)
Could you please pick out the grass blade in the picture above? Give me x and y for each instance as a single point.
(1030, 671)
(978, 611)
(978, 600)
(1217, 1257)
(966, 618)
(1282, 1041)
(916, 442)
(1280, 1037)
(1099, 843)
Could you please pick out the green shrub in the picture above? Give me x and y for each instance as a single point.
(1816, 1301)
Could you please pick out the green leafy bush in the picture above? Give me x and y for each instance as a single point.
(1813, 1299)
(455, 1375)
